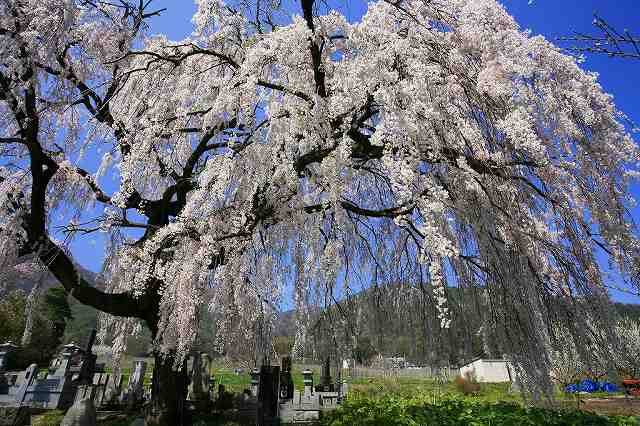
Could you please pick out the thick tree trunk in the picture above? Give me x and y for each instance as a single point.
(168, 393)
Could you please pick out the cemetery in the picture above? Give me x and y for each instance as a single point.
(75, 383)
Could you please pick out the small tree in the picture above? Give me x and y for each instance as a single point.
(628, 353)
(50, 314)
(364, 351)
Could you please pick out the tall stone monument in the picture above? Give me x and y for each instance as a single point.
(286, 380)
(325, 385)
(268, 390)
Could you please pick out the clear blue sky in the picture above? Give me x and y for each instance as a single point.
(551, 18)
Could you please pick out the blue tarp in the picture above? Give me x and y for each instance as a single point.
(608, 387)
(591, 386)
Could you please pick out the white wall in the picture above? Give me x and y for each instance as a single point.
(487, 370)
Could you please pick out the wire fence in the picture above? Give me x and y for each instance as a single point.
(446, 373)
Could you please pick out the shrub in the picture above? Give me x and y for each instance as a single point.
(467, 385)
(458, 412)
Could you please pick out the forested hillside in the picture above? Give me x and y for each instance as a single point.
(409, 326)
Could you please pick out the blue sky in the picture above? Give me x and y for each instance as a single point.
(550, 18)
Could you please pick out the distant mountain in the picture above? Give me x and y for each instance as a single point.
(414, 331)
(628, 310)
(26, 283)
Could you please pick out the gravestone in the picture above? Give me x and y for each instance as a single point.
(87, 361)
(6, 349)
(70, 374)
(85, 392)
(56, 390)
(29, 376)
(148, 391)
(112, 391)
(224, 399)
(212, 385)
(135, 388)
(206, 375)
(344, 389)
(268, 390)
(255, 381)
(197, 387)
(307, 380)
(101, 382)
(338, 384)
(81, 413)
(325, 384)
(286, 380)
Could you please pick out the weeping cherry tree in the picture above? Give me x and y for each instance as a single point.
(290, 152)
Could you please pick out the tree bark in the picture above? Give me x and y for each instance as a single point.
(168, 393)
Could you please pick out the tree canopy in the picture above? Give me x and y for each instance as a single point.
(50, 314)
(431, 142)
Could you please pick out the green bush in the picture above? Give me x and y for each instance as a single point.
(454, 412)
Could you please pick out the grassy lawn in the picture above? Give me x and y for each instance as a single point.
(223, 375)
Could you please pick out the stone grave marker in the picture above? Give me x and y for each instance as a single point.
(87, 361)
(255, 380)
(286, 380)
(325, 384)
(196, 388)
(206, 374)
(112, 391)
(135, 388)
(6, 349)
(268, 391)
(81, 413)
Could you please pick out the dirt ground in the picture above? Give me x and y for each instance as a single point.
(618, 405)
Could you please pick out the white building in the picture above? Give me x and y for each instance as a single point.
(488, 370)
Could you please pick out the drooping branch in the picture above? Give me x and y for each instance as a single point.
(611, 42)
